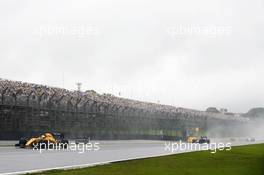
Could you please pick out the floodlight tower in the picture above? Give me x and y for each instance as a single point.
(79, 85)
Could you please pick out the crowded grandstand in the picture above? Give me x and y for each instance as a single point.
(28, 108)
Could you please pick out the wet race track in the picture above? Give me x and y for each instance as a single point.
(18, 161)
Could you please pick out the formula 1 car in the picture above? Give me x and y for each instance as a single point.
(201, 140)
(250, 139)
(43, 140)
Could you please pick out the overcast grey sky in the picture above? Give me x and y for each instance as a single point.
(188, 53)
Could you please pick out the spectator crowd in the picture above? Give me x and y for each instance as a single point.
(19, 92)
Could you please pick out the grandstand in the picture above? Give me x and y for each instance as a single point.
(27, 108)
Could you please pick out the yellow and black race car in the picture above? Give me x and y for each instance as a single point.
(201, 140)
(43, 140)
